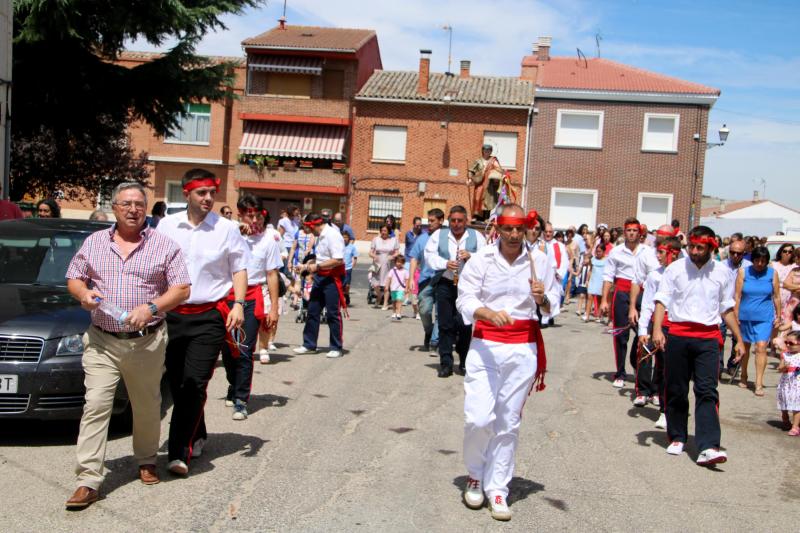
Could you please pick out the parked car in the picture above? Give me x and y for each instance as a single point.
(41, 325)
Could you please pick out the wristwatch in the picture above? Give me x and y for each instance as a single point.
(240, 302)
(545, 301)
(153, 308)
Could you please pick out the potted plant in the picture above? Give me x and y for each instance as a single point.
(290, 164)
(272, 163)
(306, 164)
(339, 167)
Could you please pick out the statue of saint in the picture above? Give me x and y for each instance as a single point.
(486, 175)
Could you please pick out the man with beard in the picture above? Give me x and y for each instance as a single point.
(697, 292)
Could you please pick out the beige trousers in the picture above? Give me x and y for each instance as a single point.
(140, 363)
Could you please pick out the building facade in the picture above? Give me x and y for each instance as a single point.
(612, 141)
(415, 134)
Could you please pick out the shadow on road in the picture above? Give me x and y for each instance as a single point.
(260, 401)
(653, 438)
(643, 412)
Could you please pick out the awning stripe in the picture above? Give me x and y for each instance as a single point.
(291, 64)
(314, 141)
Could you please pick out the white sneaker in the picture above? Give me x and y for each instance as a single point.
(197, 448)
(618, 383)
(675, 448)
(333, 354)
(473, 494)
(711, 457)
(178, 467)
(655, 401)
(640, 401)
(661, 423)
(300, 350)
(384, 308)
(500, 510)
(228, 403)
(272, 346)
(263, 356)
(418, 317)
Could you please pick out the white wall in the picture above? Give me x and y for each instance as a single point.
(768, 209)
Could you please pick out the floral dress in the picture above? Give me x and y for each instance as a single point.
(789, 385)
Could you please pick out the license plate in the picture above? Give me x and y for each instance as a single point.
(8, 384)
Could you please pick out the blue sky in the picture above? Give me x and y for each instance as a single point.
(749, 50)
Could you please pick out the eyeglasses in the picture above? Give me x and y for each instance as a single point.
(127, 204)
(735, 253)
(787, 251)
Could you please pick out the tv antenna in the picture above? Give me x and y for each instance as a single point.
(581, 55)
(597, 38)
(763, 183)
(449, 29)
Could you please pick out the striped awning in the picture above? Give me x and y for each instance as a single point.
(314, 141)
(292, 64)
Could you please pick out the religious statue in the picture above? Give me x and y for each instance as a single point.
(486, 175)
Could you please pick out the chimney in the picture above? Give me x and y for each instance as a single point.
(543, 50)
(282, 23)
(722, 206)
(464, 69)
(755, 195)
(424, 71)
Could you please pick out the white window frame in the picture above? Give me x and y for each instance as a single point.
(169, 139)
(642, 195)
(562, 144)
(167, 185)
(375, 129)
(594, 192)
(504, 162)
(675, 130)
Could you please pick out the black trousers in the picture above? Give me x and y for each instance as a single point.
(620, 305)
(323, 294)
(239, 370)
(451, 326)
(192, 351)
(650, 373)
(690, 358)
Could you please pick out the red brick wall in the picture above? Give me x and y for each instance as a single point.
(431, 151)
(620, 169)
(369, 59)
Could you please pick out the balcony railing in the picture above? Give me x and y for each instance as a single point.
(311, 107)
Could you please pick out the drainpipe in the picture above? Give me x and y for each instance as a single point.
(528, 133)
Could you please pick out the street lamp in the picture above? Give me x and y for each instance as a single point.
(724, 131)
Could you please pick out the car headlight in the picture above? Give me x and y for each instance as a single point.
(70, 345)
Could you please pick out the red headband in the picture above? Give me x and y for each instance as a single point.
(205, 182)
(671, 252)
(665, 233)
(637, 227)
(528, 221)
(711, 241)
(314, 222)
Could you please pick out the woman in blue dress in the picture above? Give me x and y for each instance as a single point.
(758, 309)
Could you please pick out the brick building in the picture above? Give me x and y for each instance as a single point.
(415, 133)
(610, 141)
(293, 129)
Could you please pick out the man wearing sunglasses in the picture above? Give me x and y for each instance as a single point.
(733, 263)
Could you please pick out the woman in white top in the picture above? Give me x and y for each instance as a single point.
(383, 250)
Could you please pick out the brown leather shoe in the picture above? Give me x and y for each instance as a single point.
(148, 475)
(82, 497)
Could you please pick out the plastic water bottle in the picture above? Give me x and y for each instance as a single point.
(112, 310)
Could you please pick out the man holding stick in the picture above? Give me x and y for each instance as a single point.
(499, 291)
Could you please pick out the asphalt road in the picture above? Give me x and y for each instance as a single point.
(372, 441)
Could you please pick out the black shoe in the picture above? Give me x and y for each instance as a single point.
(445, 372)
(425, 348)
(461, 371)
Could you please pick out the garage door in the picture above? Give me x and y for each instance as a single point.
(573, 207)
(655, 209)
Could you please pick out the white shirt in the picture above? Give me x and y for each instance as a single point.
(489, 281)
(562, 264)
(265, 254)
(651, 284)
(734, 270)
(432, 258)
(290, 227)
(214, 251)
(330, 244)
(646, 262)
(696, 295)
(619, 263)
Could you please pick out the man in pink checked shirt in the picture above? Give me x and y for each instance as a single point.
(142, 272)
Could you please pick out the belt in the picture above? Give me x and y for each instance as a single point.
(127, 335)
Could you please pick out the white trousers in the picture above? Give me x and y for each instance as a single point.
(497, 383)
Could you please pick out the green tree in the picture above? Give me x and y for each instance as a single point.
(72, 103)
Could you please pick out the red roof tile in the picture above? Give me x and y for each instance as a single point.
(600, 74)
(716, 210)
(133, 55)
(312, 37)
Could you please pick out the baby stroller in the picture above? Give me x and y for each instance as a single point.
(372, 282)
(305, 294)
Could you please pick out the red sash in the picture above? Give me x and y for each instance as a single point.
(520, 332)
(254, 293)
(693, 329)
(557, 252)
(622, 284)
(224, 311)
(337, 273)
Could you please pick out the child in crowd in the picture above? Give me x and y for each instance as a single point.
(789, 385)
(350, 260)
(594, 285)
(788, 325)
(580, 275)
(396, 284)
